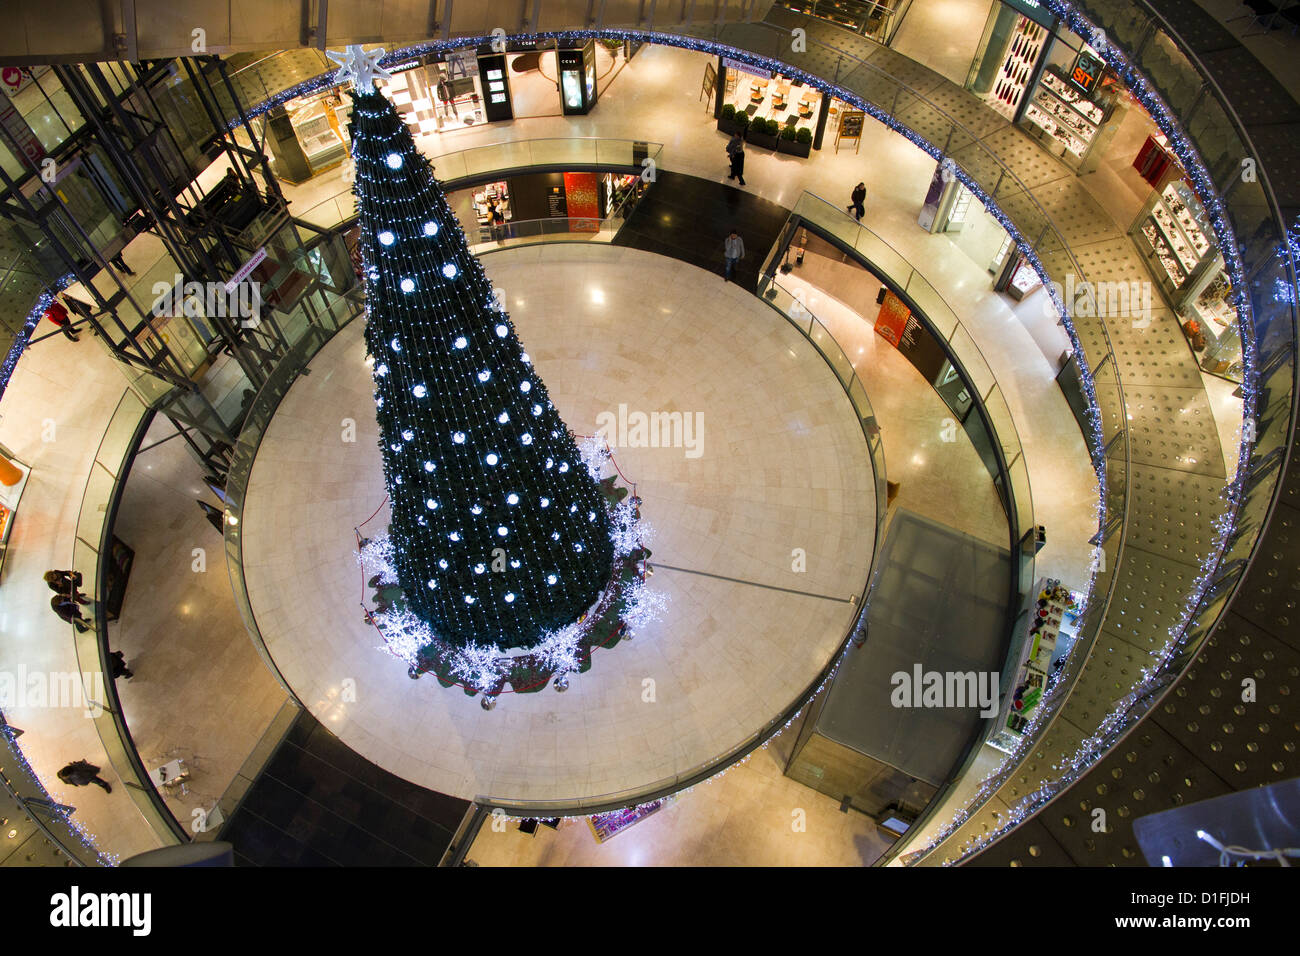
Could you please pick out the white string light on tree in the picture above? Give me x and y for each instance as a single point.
(501, 536)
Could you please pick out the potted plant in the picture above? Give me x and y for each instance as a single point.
(727, 121)
(742, 122)
(794, 142)
(763, 132)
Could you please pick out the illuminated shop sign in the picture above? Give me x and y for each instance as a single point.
(746, 68)
(1087, 71)
(1034, 11)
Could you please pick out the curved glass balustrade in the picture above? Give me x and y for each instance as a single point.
(268, 399)
(942, 320)
(92, 558)
(457, 166)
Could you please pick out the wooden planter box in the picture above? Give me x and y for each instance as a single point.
(794, 147)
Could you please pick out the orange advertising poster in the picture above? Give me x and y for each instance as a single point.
(891, 320)
(582, 197)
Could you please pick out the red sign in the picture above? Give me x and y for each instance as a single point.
(582, 197)
(891, 320)
(13, 78)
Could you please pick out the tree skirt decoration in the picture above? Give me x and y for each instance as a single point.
(625, 605)
(501, 536)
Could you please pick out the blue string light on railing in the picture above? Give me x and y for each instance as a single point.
(43, 302)
(78, 831)
(1157, 674)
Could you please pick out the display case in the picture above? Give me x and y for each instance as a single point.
(1173, 236)
(1186, 262)
(1058, 114)
(9, 497)
(1020, 280)
(1215, 318)
(1068, 122)
(319, 140)
(960, 211)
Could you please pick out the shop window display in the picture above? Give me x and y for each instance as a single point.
(1010, 70)
(1072, 108)
(1191, 273)
(1038, 74)
(441, 96)
(492, 212)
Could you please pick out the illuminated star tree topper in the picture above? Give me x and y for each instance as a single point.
(359, 67)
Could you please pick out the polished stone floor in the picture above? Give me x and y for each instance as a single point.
(752, 815)
(176, 646)
(782, 467)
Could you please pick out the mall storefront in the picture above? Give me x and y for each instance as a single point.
(548, 202)
(448, 91)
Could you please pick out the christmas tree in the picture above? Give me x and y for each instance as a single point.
(499, 532)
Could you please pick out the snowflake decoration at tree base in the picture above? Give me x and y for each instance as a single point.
(625, 605)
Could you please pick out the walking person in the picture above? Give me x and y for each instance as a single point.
(498, 220)
(859, 196)
(81, 773)
(120, 263)
(82, 310)
(733, 250)
(66, 583)
(117, 661)
(736, 153)
(57, 313)
(66, 608)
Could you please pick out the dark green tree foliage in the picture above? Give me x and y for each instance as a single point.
(476, 457)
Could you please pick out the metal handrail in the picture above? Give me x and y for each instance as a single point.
(93, 543)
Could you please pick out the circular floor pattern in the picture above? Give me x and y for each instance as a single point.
(780, 470)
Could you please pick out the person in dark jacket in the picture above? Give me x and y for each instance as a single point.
(66, 608)
(81, 773)
(859, 196)
(117, 661)
(736, 153)
(446, 98)
(66, 583)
